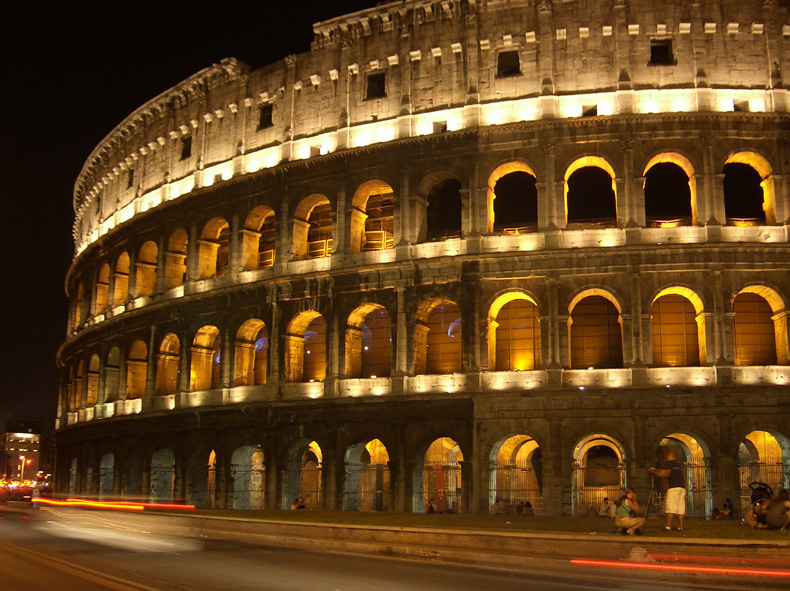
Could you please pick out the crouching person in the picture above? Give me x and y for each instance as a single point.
(625, 517)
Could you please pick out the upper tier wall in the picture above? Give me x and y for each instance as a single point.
(441, 69)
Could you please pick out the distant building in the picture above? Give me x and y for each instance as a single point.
(457, 251)
(21, 449)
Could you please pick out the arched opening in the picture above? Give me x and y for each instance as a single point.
(754, 330)
(258, 239)
(204, 374)
(513, 333)
(167, 365)
(596, 338)
(372, 217)
(303, 476)
(437, 338)
(92, 394)
(79, 380)
(515, 475)
(102, 289)
(598, 473)
(305, 345)
(112, 375)
(443, 214)
(312, 235)
(675, 327)
(145, 281)
(213, 249)
(201, 472)
(367, 477)
(437, 476)
(590, 193)
(670, 192)
(515, 203)
(749, 194)
(695, 459)
(763, 456)
(252, 348)
(136, 369)
(512, 199)
(175, 259)
(106, 476)
(248, 472)
(162, 476)
(368, 342)
(121, 291)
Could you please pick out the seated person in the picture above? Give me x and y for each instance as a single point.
(625, 515)
(606, 509)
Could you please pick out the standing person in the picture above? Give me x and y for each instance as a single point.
(676, 489)
(625, 516)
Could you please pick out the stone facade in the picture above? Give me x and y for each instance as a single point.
(245, 220)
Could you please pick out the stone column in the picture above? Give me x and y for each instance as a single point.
(234, 244)
(226, 356)
(184, 362)
(151, 367)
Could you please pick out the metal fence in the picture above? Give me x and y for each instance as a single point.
(592, 484)
(513, 484)
(442, 483)
(772, 471)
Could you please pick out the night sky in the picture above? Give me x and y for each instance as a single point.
(71, 73)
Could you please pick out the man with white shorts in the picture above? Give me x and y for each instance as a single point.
(676, 489)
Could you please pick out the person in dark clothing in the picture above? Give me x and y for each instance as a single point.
(676, 489)
(778, 514)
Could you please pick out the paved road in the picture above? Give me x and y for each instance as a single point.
(36, 560)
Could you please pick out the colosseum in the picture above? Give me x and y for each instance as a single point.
(459, 250)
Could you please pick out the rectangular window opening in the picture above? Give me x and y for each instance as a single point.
(661, 52)
(376, 86)
(265, 113)
(130, 178)
(186, 147)
(508, 64)
(590, 111)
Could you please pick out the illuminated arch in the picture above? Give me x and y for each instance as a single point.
(121, 290)
(305, 348)
(304, 474)
(213, 250)
(515, 474)
(136, 369)
(525, 337)
(499, 172)
(754, 321)
(437, 476)
(92, 394)
(591, 347)
(763, 168)
(685, 165)
(694, 454)
(258, 238)
(252, 348)
(437, 337)
(588, 161)
(248, 472)
(145, 278)
(167, 365)
(598, 471)
(368, 346)
(690, 296)
(372, 219)
(175, 259)
(312, 233)
(366, 486)
(102, 289)
(763, 456)
(205, 366)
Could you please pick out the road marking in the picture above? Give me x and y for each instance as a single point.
(82, 572)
